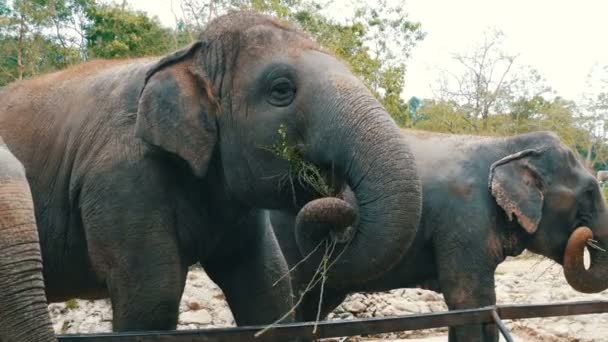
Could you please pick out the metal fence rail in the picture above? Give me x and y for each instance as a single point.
(326, 329)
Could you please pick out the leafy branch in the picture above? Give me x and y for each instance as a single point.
(306, 173)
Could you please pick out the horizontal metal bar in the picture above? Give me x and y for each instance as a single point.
(354, 327)
(551, 310)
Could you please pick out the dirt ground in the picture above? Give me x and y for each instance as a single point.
(527, 279)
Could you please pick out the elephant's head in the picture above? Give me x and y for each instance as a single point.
(552, 196)
(23, 304)
(220, 103)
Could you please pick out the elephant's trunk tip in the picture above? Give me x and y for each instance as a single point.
(592, 280)
(328, 216)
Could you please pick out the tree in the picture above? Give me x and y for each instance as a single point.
(442, 116)
(376, 43)
(479, 88)
(413, 104)
(27, 46)
(117, 32)
(593, 118)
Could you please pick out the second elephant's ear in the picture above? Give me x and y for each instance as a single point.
(517, 187)
(175, 111)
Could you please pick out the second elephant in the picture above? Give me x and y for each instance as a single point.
(483, 199)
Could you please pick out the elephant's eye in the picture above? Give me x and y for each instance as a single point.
(282, 92)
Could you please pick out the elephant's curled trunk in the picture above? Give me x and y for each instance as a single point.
(592, 280)
(386, 194)
(23, 306)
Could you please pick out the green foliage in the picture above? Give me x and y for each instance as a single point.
(306, 173)
(33, 38)
(117, 33)
(380, 67)
(42, 55)
(4, 9)
(443, 116)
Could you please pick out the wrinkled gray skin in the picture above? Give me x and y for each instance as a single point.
(23, 306)
(140, 168)
(476, 212)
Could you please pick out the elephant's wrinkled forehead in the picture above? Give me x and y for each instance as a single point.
(265, 39)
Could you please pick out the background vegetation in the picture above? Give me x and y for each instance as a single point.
(490, 94)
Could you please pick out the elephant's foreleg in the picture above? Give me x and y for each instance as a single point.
(135, 250)
(146, 297)
(466, 278)
(248, 277)
(468, 291)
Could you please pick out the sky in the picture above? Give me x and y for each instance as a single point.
(561, 39)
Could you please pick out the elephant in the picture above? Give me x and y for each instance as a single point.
(142, 167)
(23, 312)
(484, 198)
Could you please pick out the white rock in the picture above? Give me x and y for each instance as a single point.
(561, 329)
(355, 306)
(389, 311)
(406, 306)
(195, 317)
(576, 327)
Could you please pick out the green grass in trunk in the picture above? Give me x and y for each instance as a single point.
(305, 172)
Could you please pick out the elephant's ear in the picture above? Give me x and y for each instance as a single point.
(517, 187)
(175, 111)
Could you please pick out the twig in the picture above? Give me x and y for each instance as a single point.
(324, 278)
(594, 244)
(298, 264)
(292, 309)
(311, 284)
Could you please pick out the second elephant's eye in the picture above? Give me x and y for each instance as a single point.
(282, 92)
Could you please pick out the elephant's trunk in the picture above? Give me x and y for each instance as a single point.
(23, 306)
(592, 280)
(361, 142)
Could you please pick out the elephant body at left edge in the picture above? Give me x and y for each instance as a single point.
(484, 198)
(142, 167)
(23, 305)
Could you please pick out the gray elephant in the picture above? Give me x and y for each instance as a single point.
(484, 198)
(140, 168)
(23, 307)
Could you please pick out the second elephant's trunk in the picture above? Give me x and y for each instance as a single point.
(592, 280)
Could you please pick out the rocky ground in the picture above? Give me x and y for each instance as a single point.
(523, 280)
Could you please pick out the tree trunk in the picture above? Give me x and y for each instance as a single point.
(20, 47)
